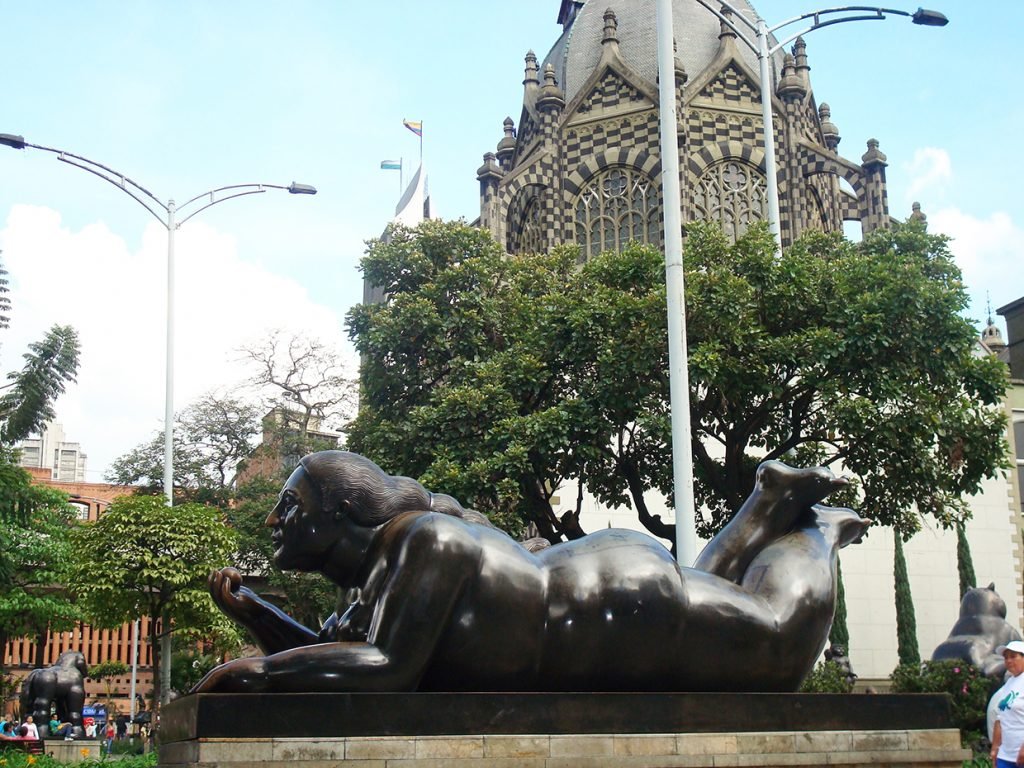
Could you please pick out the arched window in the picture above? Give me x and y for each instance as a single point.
(525, 231)
(733, 194)
(617, 205)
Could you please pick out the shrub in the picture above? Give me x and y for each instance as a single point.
(827, 677)
(968, 689)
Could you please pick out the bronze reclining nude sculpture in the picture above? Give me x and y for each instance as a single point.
(448, 603)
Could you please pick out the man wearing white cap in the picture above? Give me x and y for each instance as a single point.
(1007, 706)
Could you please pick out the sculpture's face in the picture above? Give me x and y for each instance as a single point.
(303, 530)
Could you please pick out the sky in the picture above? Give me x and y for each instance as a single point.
(195, 95)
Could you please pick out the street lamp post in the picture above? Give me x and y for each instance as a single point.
(679, 385)
(167, 215)
(761, 45)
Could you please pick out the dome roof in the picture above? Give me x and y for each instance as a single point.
(578, 51)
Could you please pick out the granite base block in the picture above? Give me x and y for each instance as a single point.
(501, 731)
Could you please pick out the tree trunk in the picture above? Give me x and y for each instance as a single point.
(165, 659)
(906, 623)
(155, 647)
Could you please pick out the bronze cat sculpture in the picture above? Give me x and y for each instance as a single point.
(448, 603)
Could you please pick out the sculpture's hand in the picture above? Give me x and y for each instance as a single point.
(271, 628)
(237, 601)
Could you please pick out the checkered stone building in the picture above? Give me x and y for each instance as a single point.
(583, 166)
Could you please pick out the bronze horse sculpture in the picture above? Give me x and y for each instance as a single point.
(444, 602)
(61, 686)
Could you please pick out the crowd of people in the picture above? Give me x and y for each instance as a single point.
(109, 731)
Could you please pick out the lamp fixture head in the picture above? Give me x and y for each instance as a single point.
(928, 18)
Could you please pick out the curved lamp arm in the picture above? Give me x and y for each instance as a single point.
(160, 210)
(921, 16)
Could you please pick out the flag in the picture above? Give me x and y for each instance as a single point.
(391, 165)
(416, 126)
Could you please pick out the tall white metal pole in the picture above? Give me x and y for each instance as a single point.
(679, 381)
(771, 172)
(135, 665)
(169, 386)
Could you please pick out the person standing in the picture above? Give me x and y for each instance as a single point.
(1008, 708)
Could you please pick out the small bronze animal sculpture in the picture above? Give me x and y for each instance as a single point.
(445, 603)
(981, 628)
(61, 685)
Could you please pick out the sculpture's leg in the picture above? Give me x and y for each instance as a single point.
(42, 693)
(74, 701)
(781, 495)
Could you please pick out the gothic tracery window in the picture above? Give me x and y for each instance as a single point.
(525, 230)
(733, 194)
(531, 236)
(618, 205)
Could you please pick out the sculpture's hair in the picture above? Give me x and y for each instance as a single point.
(370, 496)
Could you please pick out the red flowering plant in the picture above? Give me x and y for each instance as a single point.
(968, 689)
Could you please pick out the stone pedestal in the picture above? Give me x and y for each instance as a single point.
(558, 731)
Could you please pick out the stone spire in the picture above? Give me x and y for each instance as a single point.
(874, 156)
(800, 62)
(725, 30)
(531, 82)
(991, 337)
(551, 97)
(507, 145)
(791, 87)
(611, 28)
(829, 131)
(680, 70)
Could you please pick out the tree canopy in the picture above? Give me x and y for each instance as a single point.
(497, 378)
(211, 436)
(34, 555)
(142, 558)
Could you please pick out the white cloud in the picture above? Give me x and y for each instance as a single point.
(930, 172)
(116, 299)
(989, 252)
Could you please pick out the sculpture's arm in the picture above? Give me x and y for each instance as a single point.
(272, 629)
(409, 620)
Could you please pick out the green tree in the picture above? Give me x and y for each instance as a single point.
(50, 365)
(305, 376)
(839, 634)
(211, 437)
(105, 672)
(142, 558)
(34, 553)
(964, 562)
(906, 623)
(495, 378)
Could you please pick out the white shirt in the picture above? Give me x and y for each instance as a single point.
(32, 732)
(1008, 704)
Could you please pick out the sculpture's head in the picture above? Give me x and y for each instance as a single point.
(74, 660)
(983, 601)
(332, 493)
(304, 530)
